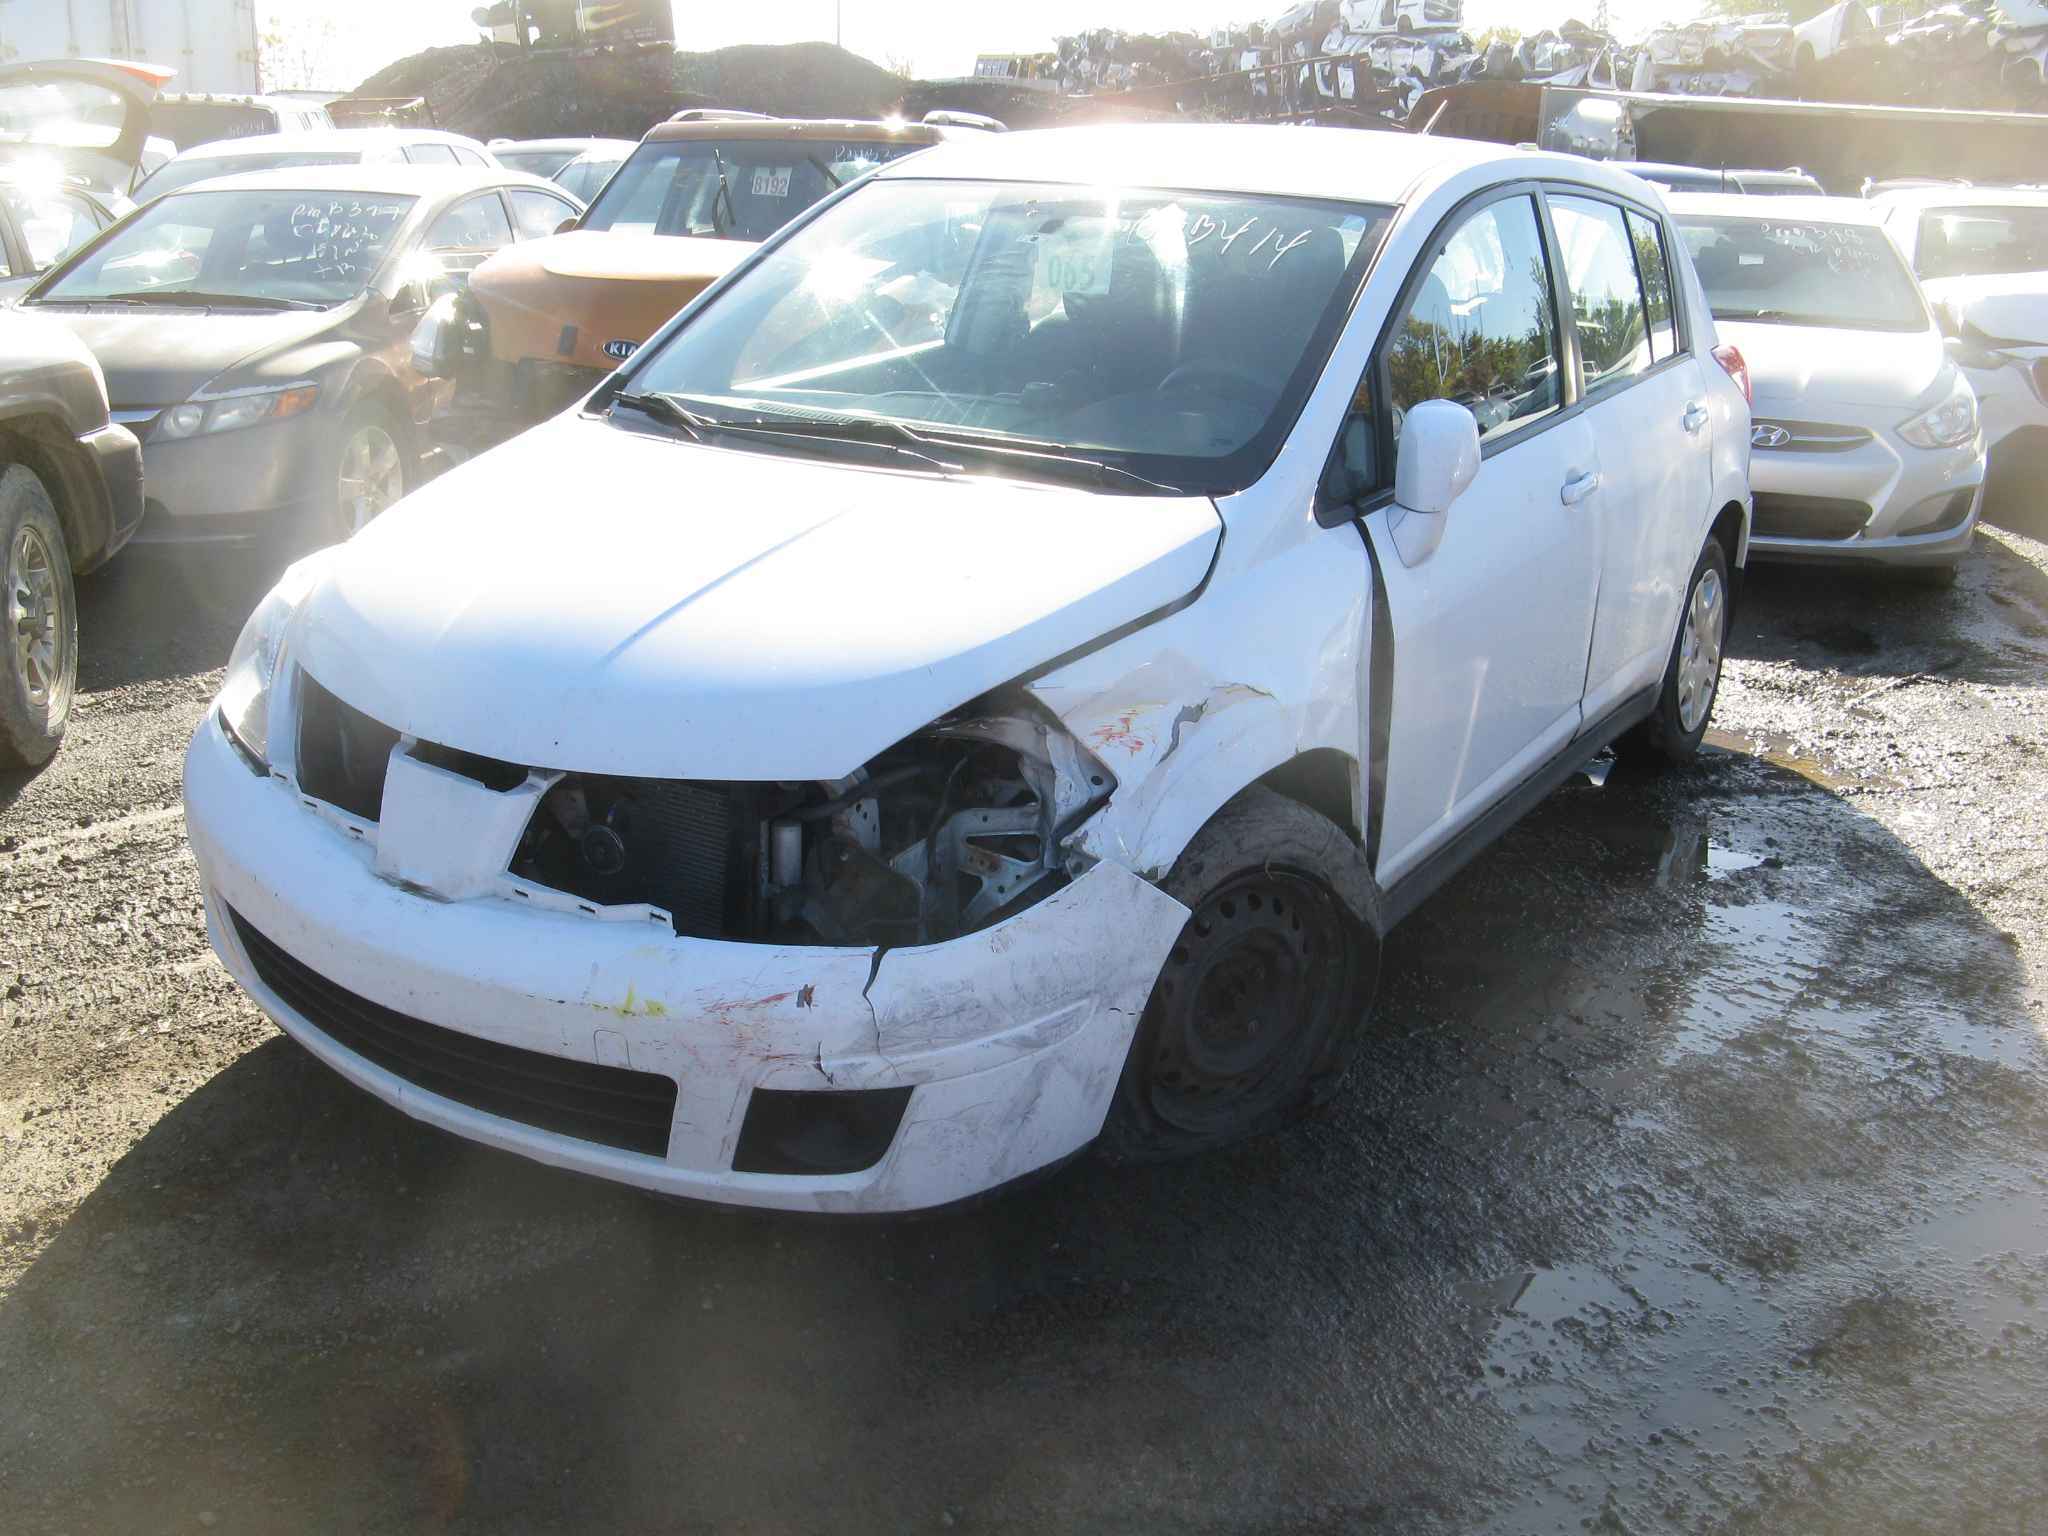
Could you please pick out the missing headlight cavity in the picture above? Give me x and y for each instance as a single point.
(946, 832)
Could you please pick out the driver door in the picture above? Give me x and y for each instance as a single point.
(1478, 658)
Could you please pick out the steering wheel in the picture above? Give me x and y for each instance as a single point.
(1219, 378)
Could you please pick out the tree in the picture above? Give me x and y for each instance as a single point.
(294, 53)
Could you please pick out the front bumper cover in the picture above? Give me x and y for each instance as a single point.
(1012, 1039)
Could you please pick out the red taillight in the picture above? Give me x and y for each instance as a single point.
(1730, 359)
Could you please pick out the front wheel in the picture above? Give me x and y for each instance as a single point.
(369, 471)
(1264, 996)
(39, 607)
(1675, 728)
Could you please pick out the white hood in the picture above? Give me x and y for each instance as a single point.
(1797, 371)
(591, 599)
(2008, 307)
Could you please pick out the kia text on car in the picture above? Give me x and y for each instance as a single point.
(987, 677)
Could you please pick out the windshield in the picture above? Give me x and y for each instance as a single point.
(736, 189)
(63, 114)
(186, 123)
(1982, 242)
(272, 247)
(1173, 335)
(534, 162)
(1803, 272)
(188, 171)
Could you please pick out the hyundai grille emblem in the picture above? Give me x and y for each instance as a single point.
(1763, 435)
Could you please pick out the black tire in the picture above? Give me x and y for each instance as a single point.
(39, 615)
(1664, 739)
(1283, 910)
(366, 424)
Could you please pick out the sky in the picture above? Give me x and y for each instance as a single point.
(354, 38)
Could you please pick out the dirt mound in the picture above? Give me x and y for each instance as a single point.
(486, 91)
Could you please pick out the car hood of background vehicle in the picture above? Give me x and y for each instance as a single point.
(591, 599)
(1798, 370)
(2008, 307)
(159, 357)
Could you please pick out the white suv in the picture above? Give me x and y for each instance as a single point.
(987, 676)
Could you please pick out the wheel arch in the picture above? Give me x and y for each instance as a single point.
(43, 445)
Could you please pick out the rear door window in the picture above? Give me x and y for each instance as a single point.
(1654, 267)
(1607, 295)
(52, 224)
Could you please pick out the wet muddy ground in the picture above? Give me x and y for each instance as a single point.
(1695, 1179)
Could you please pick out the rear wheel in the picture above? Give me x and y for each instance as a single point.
(1692, 677)
(1265, 994)
(39, 611)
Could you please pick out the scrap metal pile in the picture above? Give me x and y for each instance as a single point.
(1320, 58)
(1972, 54)
(1332, 59)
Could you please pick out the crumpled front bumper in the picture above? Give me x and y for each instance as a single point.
(1011, 1039)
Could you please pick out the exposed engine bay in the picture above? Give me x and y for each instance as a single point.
(948, 831)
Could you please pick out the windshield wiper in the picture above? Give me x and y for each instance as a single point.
(867, 431)
(192, 298)
(665, 408)
(1028, 454)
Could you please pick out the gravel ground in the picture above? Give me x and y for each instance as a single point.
(1695, 1179)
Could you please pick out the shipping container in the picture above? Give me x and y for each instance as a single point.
(210, 43)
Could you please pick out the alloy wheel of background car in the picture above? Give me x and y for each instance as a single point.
(40, 616)
(1264, 994)
(371, 476)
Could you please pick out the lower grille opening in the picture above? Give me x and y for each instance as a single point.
(613, 1106)
(1782, 516)
(343, 753)
(822, 1132)
(1939, 516)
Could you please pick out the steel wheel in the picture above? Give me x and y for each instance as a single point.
(372, 475)
(1247, 1001)
(1699, 654)
(39, 636)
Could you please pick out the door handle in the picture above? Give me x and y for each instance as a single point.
(1579, 487)
(1695, 417)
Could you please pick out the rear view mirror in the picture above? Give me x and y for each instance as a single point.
(1439, 455)
(439, 340)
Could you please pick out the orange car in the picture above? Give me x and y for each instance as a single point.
(545, 319)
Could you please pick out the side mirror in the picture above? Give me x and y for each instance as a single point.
(568, 224)
(439, 340)
(1439, 455)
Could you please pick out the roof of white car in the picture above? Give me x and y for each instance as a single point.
(1217, 157)
(1959, 195)
(337, 139)
(392, 180)
(1735, 205)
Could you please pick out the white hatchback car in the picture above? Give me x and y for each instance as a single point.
(1866, 435)
(1981, 254)
(985, 676)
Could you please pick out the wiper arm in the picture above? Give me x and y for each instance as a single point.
(1029, 454)
(875, 431)
(192, 298)
(665, 408)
